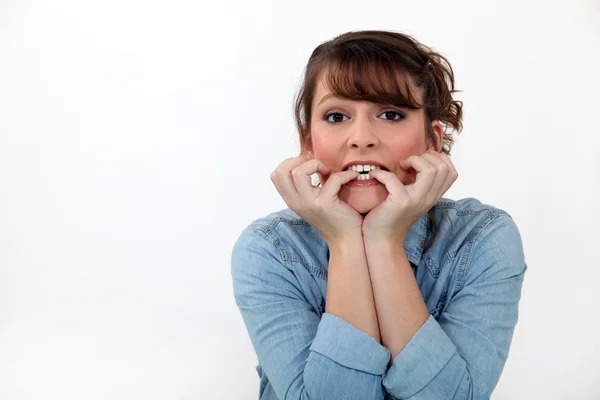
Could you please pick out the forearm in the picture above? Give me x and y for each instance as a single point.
(304, 355)
(401, 310)
(349, 291)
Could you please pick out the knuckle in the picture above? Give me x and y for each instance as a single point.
(280, 171)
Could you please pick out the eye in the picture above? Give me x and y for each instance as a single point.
(393, 116)
(337, 117)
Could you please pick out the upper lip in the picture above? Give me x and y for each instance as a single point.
(365, 162)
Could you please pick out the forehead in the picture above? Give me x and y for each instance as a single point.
(399, 89)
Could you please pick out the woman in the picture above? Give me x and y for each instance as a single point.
(372, 285)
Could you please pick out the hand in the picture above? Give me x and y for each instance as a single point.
(405, 204)
(321, 207)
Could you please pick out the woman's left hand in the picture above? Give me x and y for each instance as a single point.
(406, 204)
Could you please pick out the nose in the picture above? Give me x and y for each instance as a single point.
(362, 135)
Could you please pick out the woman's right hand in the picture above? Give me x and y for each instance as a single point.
(321, 207)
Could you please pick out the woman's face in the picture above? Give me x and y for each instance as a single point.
(344, 131)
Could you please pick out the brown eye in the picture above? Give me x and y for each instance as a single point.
(334, 118)
(393, 116)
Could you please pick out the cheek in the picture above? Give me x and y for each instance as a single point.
(409, 146)
(324, 152)
(403, 150)
(327, 156)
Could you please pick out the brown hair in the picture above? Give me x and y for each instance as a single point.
(379, 66)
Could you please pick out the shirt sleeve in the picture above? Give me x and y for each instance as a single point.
(304, 356)
(462, 354)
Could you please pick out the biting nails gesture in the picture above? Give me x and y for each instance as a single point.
(405, 204)
(321, 207)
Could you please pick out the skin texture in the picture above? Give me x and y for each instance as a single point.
(370, 283)
(363, 130)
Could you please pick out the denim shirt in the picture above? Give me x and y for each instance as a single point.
(470, 279)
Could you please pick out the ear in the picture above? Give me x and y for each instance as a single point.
(438, 131)
(308, 154)
(307, 151)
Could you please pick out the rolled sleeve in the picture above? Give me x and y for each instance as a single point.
(302, 355)
(343, 343)
(425, 355)
(461, 354)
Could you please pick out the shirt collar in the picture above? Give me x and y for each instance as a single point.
(415, 240)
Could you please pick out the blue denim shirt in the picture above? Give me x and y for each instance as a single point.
(470, 279)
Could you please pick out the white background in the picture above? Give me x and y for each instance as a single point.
(137, 139)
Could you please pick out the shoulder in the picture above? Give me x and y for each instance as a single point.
(469, 209)
(476, 237)
(277, 223)
(466, 219)
(284, 237)
(276, 229)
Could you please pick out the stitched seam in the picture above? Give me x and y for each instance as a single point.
(448, 258)
(451, 255)
(462, 272)
(286, 256)
(461, 211)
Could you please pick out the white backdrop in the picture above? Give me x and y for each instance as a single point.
(137, 139)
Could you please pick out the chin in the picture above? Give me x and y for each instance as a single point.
(364, 200)
(362, 207)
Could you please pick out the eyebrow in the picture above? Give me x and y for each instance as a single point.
(333, 95)
(328, 96)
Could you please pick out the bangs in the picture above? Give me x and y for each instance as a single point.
(377, 81)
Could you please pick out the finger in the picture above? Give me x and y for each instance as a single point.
(452, 173)
(334, 183)
(425, 175)
(282, 179)
(389, 180)
(301, 175)
(437, 189)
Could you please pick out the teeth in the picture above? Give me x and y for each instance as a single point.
(361, 168)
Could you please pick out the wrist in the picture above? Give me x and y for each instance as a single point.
(345, 244)
(378, 239)
(387, 245)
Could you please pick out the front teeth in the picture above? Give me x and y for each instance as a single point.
(363, 168)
